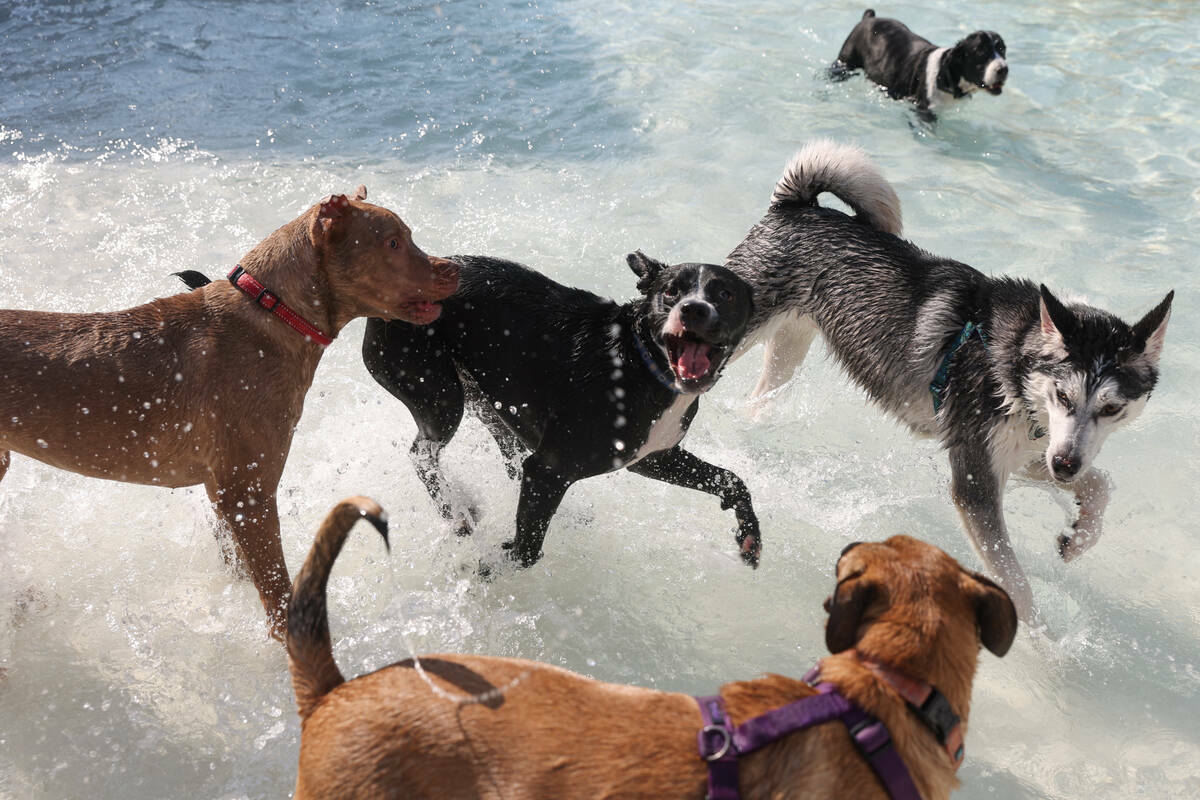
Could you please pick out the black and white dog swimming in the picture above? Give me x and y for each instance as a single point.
(577, 383)
(908, 66)
(1007, 376)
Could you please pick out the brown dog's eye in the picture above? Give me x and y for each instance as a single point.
(394, 244)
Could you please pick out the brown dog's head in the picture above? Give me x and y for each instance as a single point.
(373, 265)
(907, 603)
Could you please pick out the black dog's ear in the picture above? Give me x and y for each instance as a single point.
(995, 615)
(645, 267)
(846, 607)
(192, 278)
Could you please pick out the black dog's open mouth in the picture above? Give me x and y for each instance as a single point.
(693, 359)
(997, 89)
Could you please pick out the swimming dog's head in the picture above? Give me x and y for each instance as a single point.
(1091, 373)
(977, 62)
(696, 314)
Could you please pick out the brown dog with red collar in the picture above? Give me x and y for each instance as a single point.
(904, 618)
(207, 387)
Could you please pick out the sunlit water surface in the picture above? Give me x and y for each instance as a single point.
(138, 138)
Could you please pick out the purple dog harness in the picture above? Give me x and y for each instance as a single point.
(721, 744)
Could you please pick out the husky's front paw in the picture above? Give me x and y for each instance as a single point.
(1085, 533)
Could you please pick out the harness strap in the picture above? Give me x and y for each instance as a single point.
(941, 379)
(715, 741)
(720, 746)
(264, 297)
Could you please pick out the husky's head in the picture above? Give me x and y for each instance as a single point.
(1092, 374)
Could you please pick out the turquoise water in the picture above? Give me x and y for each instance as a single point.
(139, 138)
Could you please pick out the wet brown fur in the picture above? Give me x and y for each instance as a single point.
(206, 387)
(537, 731)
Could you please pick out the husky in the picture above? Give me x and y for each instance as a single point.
(1010, 378)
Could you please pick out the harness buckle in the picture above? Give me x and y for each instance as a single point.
(725, 745)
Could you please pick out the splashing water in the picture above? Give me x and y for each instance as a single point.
(148, 138)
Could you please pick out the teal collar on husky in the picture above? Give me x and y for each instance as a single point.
(941, 378)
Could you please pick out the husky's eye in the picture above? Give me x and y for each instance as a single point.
(1063, 400)
(1110, 409)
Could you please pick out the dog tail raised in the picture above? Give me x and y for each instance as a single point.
(845, 171)
(310, 651)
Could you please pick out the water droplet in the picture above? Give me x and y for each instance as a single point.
(617, 443)
(42, 443)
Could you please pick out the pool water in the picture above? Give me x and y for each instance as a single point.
(139, 138)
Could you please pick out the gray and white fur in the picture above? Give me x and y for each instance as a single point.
(1037, 393)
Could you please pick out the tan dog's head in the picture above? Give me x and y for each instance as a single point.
(371, 261)
(907, 603)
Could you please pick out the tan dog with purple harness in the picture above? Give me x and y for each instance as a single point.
(886, 717)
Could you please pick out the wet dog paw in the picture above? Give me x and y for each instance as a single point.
(751, 549)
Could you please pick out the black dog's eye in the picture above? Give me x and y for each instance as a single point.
(1110, 409)
(1063, 399)
(670, 293)
(725, 295)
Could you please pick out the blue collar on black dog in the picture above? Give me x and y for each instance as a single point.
(664, 377)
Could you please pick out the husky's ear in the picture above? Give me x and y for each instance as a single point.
(645, 267)
(994, 614)
(1057, 320)
(1152, 328)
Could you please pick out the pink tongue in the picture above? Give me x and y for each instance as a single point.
(693, 360)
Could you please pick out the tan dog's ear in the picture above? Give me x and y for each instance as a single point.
(995, 614)
(846, 606)
(360, 193)
(333, 209)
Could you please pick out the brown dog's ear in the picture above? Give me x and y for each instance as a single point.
(361, 192)
(846, 606)
(333, 208)
(995, 614)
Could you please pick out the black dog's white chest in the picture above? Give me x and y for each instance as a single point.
(665, 432)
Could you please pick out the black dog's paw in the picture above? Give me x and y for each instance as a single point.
(522, 557)
(751, 549)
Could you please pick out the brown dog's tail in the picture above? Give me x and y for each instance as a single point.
(310, 651)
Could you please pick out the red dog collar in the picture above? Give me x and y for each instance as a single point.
(270, 301)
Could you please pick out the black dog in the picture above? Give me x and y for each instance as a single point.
(580, 384)
(909, 66)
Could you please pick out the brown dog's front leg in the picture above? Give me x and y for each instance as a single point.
(253, 519)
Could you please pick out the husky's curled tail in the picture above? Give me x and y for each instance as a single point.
(844, 171)
(310, 652)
